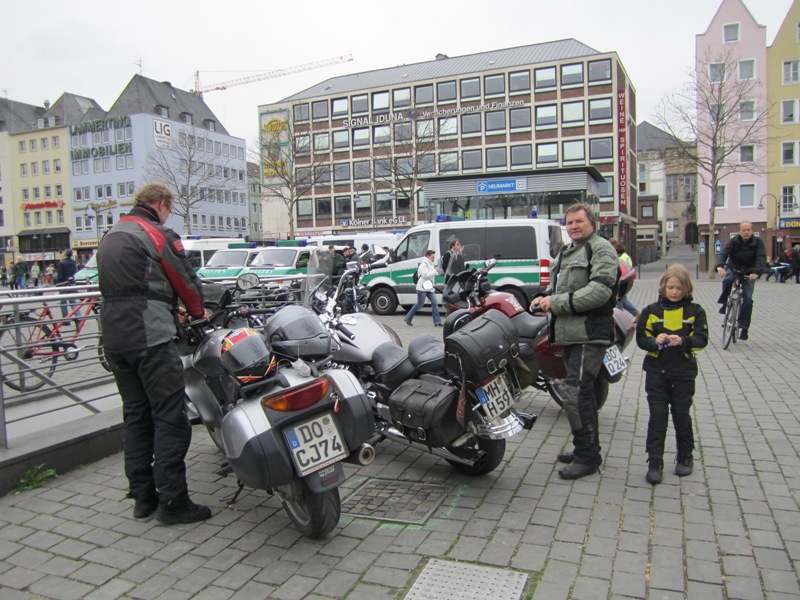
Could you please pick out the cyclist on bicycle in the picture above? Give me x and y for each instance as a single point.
(745, 252)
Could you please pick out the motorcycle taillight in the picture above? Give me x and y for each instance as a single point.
(298, 398)
(544, 273)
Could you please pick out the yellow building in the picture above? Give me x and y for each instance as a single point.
(783, 153)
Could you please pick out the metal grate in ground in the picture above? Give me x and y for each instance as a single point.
(447, 580)
(400, 501)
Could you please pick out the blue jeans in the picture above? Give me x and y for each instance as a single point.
(22, 282)
(437, 320)
(747, 297)
(626, 303)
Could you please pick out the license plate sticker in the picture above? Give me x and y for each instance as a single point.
(495, 397)
(614, 362)
(315, 444)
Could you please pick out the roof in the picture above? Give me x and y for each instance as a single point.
(650, 137)
(142, 95)
(448, 67)
(18, 116)
(70, 109)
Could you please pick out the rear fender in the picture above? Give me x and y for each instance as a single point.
(200, 395)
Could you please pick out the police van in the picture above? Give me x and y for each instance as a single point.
(227, 264)
(377, 238)
(287, 258)
(524, 249)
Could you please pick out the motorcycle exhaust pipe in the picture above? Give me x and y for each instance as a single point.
(363, 456)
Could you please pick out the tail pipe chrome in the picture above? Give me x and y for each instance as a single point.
(363, 456)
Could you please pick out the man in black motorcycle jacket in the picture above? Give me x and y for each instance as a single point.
(581, 300)
(143, 272)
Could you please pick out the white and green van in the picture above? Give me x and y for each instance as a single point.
(227, 264)
(524, 248)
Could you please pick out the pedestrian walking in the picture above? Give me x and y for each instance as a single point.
(35, 270)
(452, 262)
(426, 271)
(65, 274)
(143, 271)
(671, 330)
(624, 302)
(20, 272)
(4, 276)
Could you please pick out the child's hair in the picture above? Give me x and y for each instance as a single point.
(680, 273)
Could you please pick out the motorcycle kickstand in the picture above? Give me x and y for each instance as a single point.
(231, 499)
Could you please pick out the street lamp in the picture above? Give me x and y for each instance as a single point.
(777, 208)
(96, 208)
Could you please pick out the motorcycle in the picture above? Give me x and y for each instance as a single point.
(455, 397)
(283, 426)
(470, 294)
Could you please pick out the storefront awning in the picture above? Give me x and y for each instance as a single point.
(44, 230)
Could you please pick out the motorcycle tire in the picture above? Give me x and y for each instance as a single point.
(600, 392)
(314, 515)
(216, 436)
(493, 452)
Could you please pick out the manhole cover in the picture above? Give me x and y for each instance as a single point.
(401, 501)
(446, 580)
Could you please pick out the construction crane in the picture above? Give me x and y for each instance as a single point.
(200, 90)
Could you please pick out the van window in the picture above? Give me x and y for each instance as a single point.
(556, 239)
(511, 242)
(274, 257)
(414, 246)
(473, 240)
(228, 258)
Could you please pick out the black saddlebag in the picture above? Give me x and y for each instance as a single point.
(392, 365)
(426, 412)
(482, 347)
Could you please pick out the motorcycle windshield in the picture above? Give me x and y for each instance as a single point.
(318, 281)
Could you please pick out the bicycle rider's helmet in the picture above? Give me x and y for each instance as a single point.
(245, 355)
(296, 332)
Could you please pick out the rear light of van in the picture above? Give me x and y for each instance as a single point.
(544, 272)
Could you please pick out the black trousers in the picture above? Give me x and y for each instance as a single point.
(157, 429)
(583, 363)
(665, 395)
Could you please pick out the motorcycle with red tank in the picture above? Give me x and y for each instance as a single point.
(470, 294)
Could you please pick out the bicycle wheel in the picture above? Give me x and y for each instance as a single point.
(729, 322)
(31, 344)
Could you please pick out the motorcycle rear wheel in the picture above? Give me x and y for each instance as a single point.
(314, 515)
(600, 391)
(216, 436)
(493, 452)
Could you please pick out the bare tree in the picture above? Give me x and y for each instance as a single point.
(192, 170)
(719, 127)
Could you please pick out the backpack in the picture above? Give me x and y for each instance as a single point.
(415, 276)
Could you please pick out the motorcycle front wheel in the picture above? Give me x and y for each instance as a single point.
(314, 515)
(600, 391)
(493, 452)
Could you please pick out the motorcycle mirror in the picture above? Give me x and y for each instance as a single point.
(247, 281)
(490, 263)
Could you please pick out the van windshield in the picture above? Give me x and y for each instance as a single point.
(92, 262)
(228, 258)
(274, 257)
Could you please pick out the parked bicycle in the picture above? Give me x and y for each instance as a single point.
(32, 341)
(730, 321)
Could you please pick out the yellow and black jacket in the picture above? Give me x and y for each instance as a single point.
(684, 318)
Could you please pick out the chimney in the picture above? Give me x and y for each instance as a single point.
(441, 56)
(47, 104)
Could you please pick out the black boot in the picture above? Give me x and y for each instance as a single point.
(183, 511)
(684, 465)
(655, 470)
(577, 470)
(568, 457)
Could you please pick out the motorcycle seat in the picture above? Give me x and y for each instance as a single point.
(392, 365)
(426, 353)
(529, 326)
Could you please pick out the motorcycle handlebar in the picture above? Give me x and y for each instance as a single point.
(348, 334)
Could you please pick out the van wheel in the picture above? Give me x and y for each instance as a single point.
(383, 302)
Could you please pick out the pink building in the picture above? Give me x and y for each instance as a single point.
(734, 46)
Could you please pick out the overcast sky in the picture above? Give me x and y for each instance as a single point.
(93, 47)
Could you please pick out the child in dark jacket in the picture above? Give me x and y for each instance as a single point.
(671, 330)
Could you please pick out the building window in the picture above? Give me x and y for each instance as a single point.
(571, 75)
(448, 127)
(521, 156)
(425, 129)
(496, 158)
(788, 199)
(343, 205)
(23, 170)
(647, 212)
(162, 111)
(341, 139)
(494, 85)
(716, 113)
(495, 121)
(601, 150)
(716, 72)
(519, 82)
(361, 137)
(600, 71)
(544, 78)
(381, 134)
(324, 207)
(322, 142)
(403, 132)
(339, 107)
(573, 152)
(600, 110)
(547, 154)
(380, 101)
(787, 153)
(361, 170)
(322, 175)
(302, 144)
(747, 110)
(305, 208)
(22, 146)
(788, 111)
(44, 141)
(747, 69)
(448, 162)
(56, 141)
(605, 189)
(520, 118)
(401, 98)
(300, 113)
(186, 118)
(359, 104)
(730, 32)
(790, 71)
(423, 94)
(747, 195)
(319, 110)
(470, 125)
(446, 91)
(546, 116)
(383, 168)
(471, 160)
(719, 202)
(470, 88)
(572, 114)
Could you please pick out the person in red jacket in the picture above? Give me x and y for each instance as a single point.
(143, 273)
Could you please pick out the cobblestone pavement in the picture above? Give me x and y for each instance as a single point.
(730, 530)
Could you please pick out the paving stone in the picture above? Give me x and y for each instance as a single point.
(588, 588)
(95, 574)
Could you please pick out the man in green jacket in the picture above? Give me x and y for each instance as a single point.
(20, 272)
(581, 300)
